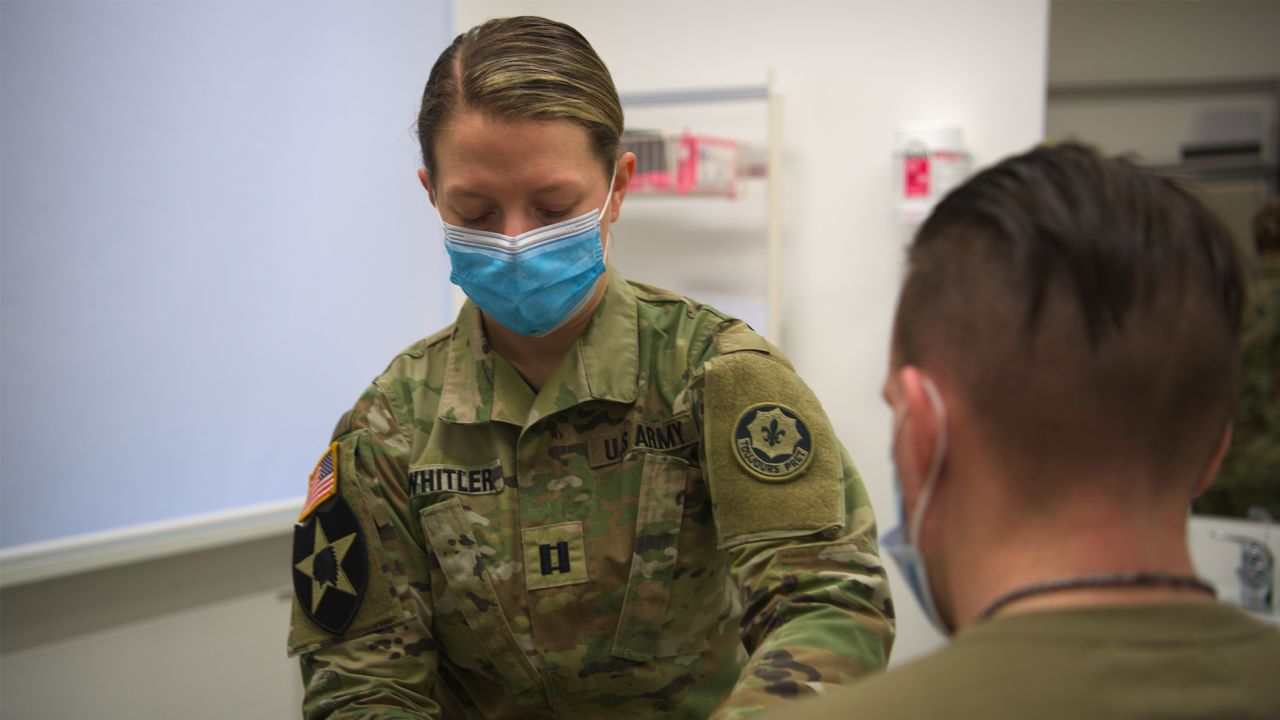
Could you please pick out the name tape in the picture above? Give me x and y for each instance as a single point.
(485, 480)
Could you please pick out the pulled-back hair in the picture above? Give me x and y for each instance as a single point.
(523, 68)
(1088, 310)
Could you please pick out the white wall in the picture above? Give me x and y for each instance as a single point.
(199, 636)
(849, 73)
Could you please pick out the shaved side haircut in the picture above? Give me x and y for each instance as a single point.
(1087, 310)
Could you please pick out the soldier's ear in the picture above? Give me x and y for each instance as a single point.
(622, 174)
(426, 185)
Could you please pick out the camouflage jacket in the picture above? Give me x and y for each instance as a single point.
(668, 529)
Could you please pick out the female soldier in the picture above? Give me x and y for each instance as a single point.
(587, 497)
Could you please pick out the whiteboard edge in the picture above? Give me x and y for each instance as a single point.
(52, 559)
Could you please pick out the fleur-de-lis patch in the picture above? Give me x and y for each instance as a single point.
(772, 442)
(772, 433)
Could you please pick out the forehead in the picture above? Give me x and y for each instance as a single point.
(477, 152)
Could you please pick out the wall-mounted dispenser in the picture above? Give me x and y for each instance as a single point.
(929, 160)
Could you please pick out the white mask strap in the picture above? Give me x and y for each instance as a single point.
(609, 191)
(608, 198)
(935, 463)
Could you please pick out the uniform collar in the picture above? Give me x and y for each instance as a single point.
(603, 364)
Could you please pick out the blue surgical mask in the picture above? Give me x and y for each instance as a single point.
(902, 546)
(534, 282)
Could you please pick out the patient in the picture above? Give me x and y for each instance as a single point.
(1061, 376)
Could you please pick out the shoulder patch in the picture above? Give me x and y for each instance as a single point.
(344, 582)
(324, 480)
(772, 461)
(772, 442)
(330, 568)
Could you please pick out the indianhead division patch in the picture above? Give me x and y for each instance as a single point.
(772, 443)
(330, 568)
(323, 483)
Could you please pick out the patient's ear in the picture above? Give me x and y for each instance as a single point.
(1215, 462)
(920, 434)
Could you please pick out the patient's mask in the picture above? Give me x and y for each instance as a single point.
(534, 282)
(897, 542)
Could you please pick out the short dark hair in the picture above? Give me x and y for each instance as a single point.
(1088, 310)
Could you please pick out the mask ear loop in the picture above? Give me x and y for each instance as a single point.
(935, 463)
(608, 198)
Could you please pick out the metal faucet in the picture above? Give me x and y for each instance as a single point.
(1257, 565)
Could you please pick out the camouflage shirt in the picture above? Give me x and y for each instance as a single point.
(669, 528)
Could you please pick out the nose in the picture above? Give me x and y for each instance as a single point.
(515, 222)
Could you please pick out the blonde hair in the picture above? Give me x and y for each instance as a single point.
(523, 68)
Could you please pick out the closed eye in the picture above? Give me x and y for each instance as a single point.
(477, 219)
(555, 214)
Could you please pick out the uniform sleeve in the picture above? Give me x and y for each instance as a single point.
(384, 663)
(816, 613)
(794, 517)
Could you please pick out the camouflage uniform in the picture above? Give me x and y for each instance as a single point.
(596, 550)
(1250, 474)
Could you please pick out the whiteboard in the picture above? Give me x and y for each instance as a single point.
(213, 239)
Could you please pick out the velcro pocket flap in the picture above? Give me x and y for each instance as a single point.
(450, 537)
(653, 560)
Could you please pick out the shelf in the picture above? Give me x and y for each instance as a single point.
(769, 169)
(1229, 171)
(696, 96)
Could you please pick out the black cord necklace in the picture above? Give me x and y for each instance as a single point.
(1134, 579)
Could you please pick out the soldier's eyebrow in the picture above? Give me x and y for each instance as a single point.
(555, 185)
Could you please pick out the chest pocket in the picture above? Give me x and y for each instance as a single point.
(647, 627)
(449, 533)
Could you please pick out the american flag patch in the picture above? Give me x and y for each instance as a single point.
(324, 481)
